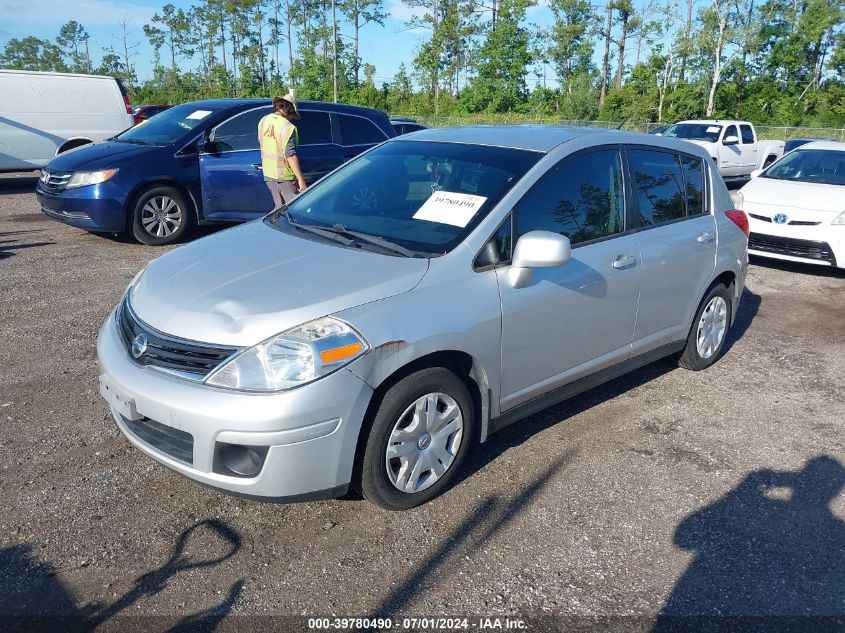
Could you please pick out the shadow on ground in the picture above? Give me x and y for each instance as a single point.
(768, 556)
(34, 598)
(10, 242)
(798, 267)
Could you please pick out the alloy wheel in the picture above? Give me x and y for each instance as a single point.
(424, 442)
(161, 216)
(711, 327)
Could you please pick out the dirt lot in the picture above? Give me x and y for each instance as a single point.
(665, 492)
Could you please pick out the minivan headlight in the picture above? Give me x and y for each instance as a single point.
(291, 359)
(839, 219)
(83, 178)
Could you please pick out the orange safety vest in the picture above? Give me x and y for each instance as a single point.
(274, 133)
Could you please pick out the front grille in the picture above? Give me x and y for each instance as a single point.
(53, 180)
(795, 248)
(178, 444)
(167, 352)
(763, 218)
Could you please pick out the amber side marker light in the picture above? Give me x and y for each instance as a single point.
(333, 355)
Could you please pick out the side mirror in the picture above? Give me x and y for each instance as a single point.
(757, 172)
(537, 249)
(731, 140)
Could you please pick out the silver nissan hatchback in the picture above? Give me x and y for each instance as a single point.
(426, 294)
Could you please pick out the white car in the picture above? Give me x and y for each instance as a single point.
(796, 207)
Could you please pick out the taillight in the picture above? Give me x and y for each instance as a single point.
(128, 105)
(740, 219)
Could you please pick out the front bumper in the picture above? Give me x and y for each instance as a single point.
(821, 243)
(94, 208)
(307, 435)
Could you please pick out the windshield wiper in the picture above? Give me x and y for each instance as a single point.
(135, 141)
(373, 239)
(310, 228)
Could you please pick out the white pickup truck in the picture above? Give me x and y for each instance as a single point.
(733, 145)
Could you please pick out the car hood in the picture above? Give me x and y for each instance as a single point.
(105, 155)
(699, 142)
(786, 194)
(246, 284)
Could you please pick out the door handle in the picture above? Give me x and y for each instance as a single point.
(257, 166)
(705, 238)
(624, 261)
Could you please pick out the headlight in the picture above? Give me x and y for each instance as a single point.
(840, 219)
(83, 178)
(293, 358)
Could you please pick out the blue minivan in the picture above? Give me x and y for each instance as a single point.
(197, 163)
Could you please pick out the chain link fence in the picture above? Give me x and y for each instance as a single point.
(782, 133)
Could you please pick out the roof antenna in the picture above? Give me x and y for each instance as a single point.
(625, 120)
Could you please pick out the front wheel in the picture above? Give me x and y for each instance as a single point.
(161, 216)
(709, 330)
(420, 435)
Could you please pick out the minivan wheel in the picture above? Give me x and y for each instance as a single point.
(709, 330)
(161, 216)
(419, 437)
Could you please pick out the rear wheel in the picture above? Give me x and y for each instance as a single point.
(709, 330)
(418, 439)
(161, 216)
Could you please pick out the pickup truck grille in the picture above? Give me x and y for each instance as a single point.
(187, 358)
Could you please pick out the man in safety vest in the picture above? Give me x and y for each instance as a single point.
(279, 139)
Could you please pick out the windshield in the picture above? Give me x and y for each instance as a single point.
(425, 197)
(167, 127)
(810, 165)
(695, 131)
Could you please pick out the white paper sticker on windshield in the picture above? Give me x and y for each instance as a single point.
(448, 207)
(198, 114)
(713, 129)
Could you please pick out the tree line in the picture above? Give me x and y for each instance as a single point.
(778, 62)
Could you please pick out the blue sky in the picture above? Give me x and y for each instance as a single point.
(385, 47)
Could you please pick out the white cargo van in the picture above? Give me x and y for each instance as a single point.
(44, 114)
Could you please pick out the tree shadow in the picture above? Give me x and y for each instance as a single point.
(489, 518)
(768, 556)
(33, 597)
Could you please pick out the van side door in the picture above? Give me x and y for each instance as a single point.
(677, 237)
(231, 175)
(575, 319)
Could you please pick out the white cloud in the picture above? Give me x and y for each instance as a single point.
(400, 11)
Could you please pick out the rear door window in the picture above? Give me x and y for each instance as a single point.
(657, 185)
(581, 197)
(694, 181)
(357, 130)
(747, 134)
(240, 132)
(314, 128)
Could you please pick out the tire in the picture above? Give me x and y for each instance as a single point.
(161, 215)
(392, 482)
(712, 319)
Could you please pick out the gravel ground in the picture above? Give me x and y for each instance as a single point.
(662, 493)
